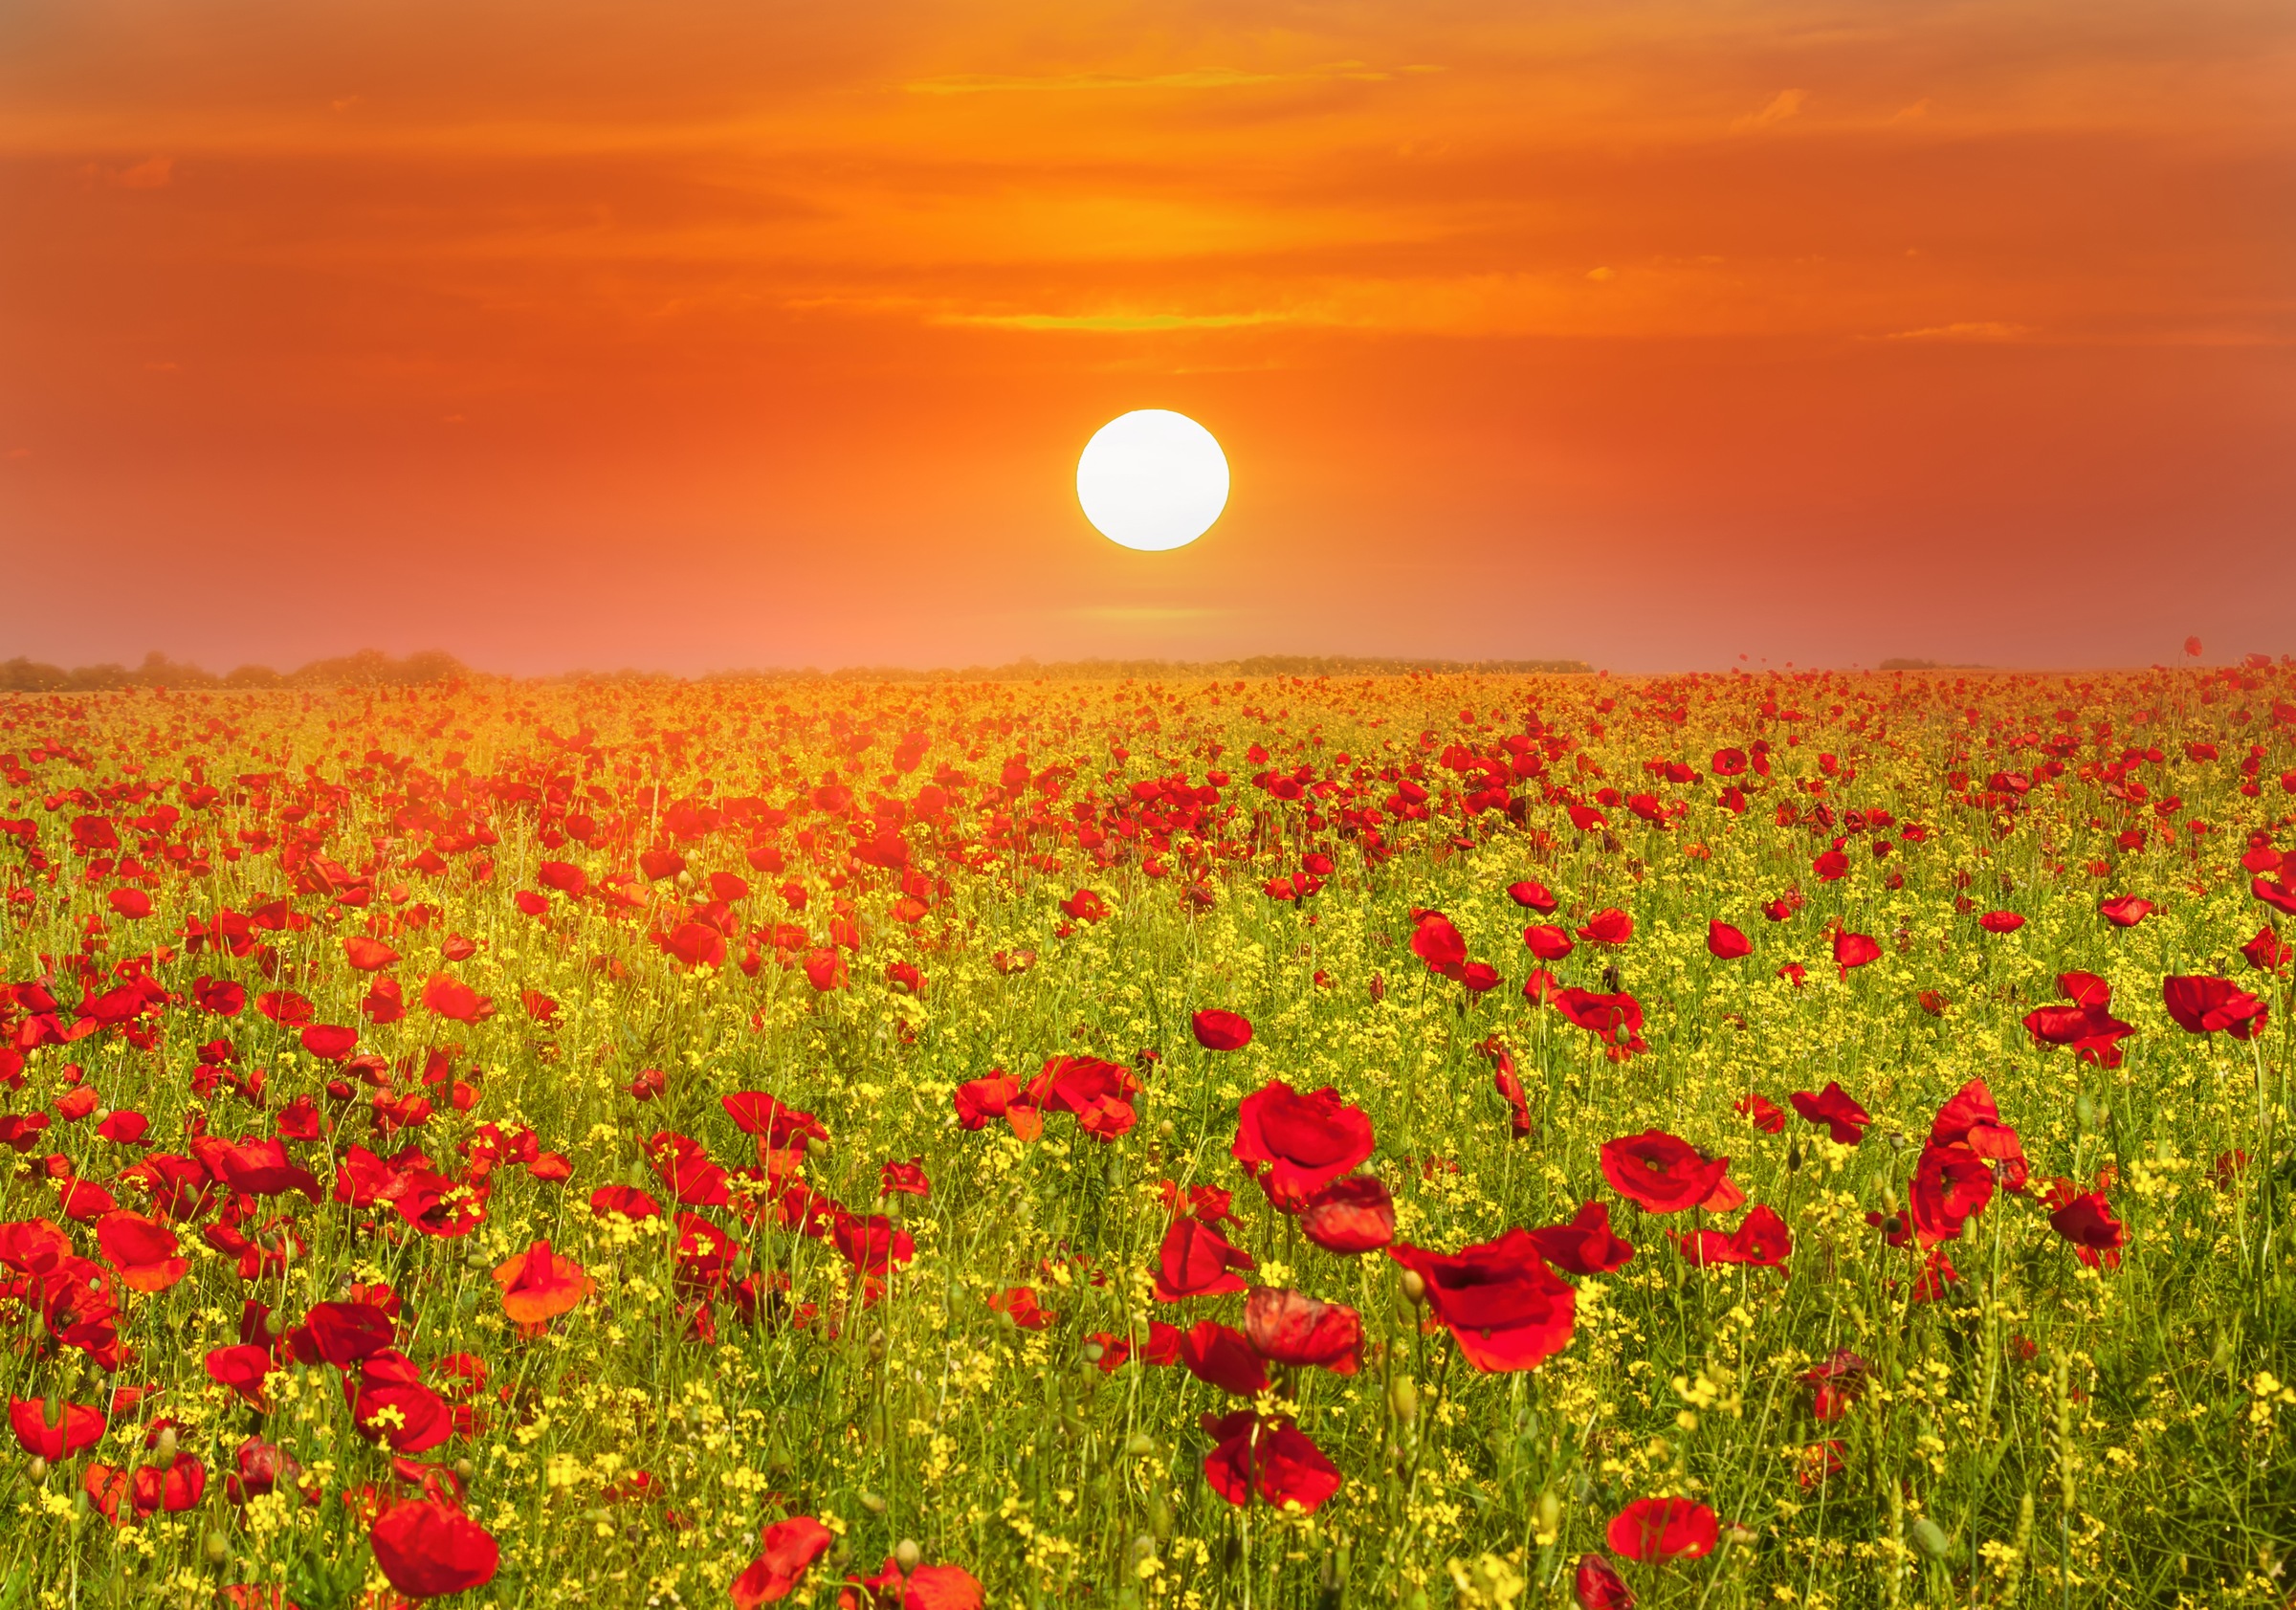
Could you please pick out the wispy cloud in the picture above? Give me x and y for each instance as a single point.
(1194, 79)
(1785, 104)
(1115, 322)
(1974, 330)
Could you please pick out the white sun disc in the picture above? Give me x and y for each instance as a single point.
(1151, 480)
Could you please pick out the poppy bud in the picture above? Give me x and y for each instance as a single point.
(1889, 1203)
(1793, 1156)
(214, 1549)
(465, 1470)
(1159, 1516)
(2085, 1110)
(1414, 1286)
(874, 1503)
(1164, 1128)
(1094, 1353)
(38, 1470)
(1402, 1397)
(162, 1449)
(1141, 1446)
(907, 1555)
(1930, 1539)
(1550, 1514)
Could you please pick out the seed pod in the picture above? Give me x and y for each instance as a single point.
(1094, 1353)
(1793, 1156)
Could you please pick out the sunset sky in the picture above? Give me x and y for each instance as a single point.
(700, 334)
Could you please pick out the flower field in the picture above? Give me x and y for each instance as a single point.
(1782, 1139)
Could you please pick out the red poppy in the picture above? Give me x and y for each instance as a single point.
(143, 1251)
(2000, 923)
(1616, 1020)
(2280, 896)
(789, 1549)
(1223, 1357)
(1085, 906)
(76, 1426)
(450, 999)
(1950, 1186)
(1437, 943)
(1020, 1303)
(1829, 865)
(1661, 1172)
(1548, 943)
(1287, 1327)
(1197, 1261)
(1350, 1216)
(1219, 1030)
(2203, 1005)
(1609, 926)
(1761, 1111)
(2087, 1024)
(1504, 1307)
(2087, 1222)
(429, 1548)
(1586, 1245)
(776, 1125)
(1663, 1528)
(2124, 911)
(538, 1285)
(1271, 1459)
(1853, 950)
(2268, 951)
(244, 1369)
(1970, 1121)
(1728, 943)
(1530, 895)
(907, 1179)
(1761, 1241)
(1832, 1109)
(996, 1096)
(1096, 1090)
(871, 1243)
(1293, 1145)
(1596, 1586)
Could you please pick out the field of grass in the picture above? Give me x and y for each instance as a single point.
(1794, 1139)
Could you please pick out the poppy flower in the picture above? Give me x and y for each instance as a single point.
(2124, 911)
(2268, 951)
(1287, 1327)
(1609, 926)
(143, 1251)
(1616, 1020)
(427, 1549)
(1271, 1459)
(1532, 895)
(908, 1179)
(1726, 944)
(1293, 1145)
(2000, 923)
(1832, 1109)
(1663, 1528)
(1586, 1245)
(870, 1242)
(1223, 1357)
(1761, 1111)
(1093, 1089)
(1548, 943)
(2203, 1005)
(1020, 1302)
(1597, 1586)
(789, 1549)
(1503, 1306)
(538, 1285)
(77, 1427)
(1350, 1216)
(1660, 1172)
(1437, 943)
(1829, 865)
(776, 1125)
(2280, 896)
(628, 1200)
(1219, 1030)
(1197, 1261)
(1950, 1186)
(928, 1587)
(450, 999)
(245, 1369)
(996, 1096)
(2087, 1222)
(1761, 1241)
(1854, 950)
(1970, 1121)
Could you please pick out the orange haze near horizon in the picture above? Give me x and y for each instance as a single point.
(699, 335)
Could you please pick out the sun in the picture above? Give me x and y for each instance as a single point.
(1151, 480)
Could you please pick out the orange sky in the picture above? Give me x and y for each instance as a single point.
(752, 333)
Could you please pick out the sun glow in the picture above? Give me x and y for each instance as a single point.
(1151, 480)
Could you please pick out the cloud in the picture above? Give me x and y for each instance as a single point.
(1907, 114)
(1114, 323)
(1198, 78)
(1985, 330)
(1783, 105)
(150, 174)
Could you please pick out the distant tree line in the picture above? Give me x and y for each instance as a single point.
(367, 667)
